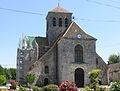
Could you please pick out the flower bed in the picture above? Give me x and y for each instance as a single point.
(68, 86)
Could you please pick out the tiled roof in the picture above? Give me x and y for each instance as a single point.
(59, 9)
(114, 67)
(41, 41)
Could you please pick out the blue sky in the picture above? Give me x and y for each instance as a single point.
(93, 16)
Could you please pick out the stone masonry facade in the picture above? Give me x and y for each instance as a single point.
(66, 53)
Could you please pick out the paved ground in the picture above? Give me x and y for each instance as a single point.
(3, 88)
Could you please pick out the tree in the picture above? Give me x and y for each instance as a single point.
(7, 73)
(30, 78)
(113, 59)
(12, 73)
(94, 79)
(1, 70)
(2, 79)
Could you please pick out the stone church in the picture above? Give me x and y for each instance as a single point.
(66, 53)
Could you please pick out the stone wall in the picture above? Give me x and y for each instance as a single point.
(66, 58)
(53, 32)
(114, 72)
(25, 59)
(48, 59)
(100, 64)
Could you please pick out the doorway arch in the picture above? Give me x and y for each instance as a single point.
(46, 81)
(79, 77)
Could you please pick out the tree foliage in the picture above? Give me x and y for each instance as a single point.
(10, 73)
(2, 79)
(13, 73)
(1, 70)
(30, 78)
(94, 79)
(7, 73)
(113, 59)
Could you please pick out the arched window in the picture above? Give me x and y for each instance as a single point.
(54, 21)
(79, 54)
(46, 70)
(66, 22)
(60, 22)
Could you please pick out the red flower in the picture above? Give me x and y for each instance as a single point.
(68, 86)
(12, 82)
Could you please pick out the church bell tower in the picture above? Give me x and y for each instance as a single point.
(58, 20)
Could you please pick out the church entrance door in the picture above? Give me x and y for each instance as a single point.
(79, 77)
(46, 81)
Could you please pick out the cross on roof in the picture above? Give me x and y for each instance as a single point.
(58, 2)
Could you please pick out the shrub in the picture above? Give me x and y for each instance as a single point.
(36, 88)
(23, 89)
(94, 79)
(68, 86)
(102, 89)
(13, 84)
(30, 78)
(115, 86)
(2, 79)
(51, 87)
(85, 89)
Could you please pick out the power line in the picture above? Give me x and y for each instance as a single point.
(113, 1)
(83, 19)
(21, 11)
(100, 3)
(92, 20)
